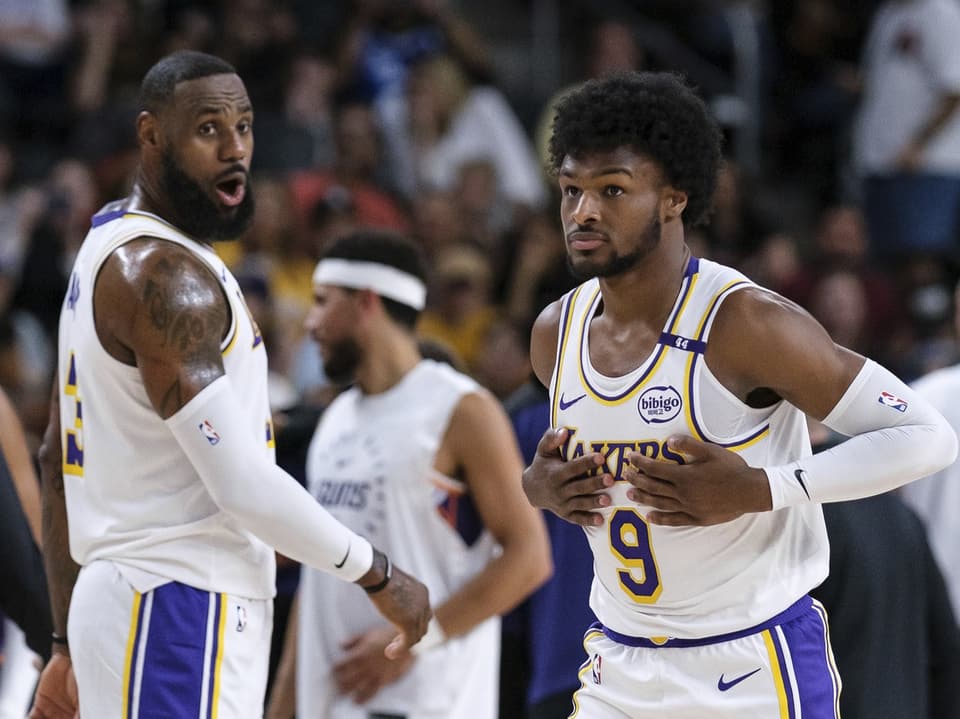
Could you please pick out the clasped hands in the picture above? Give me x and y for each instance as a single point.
(712, 486)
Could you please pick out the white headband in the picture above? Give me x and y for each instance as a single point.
(384, 280)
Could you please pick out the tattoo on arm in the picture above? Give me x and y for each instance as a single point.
(185, 315)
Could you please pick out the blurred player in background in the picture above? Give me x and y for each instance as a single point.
(422, 460)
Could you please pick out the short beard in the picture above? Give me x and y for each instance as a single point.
(197, 215)
(341, 363)
(585, 269)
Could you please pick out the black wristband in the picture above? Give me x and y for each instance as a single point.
(57, 639)
(387, 574)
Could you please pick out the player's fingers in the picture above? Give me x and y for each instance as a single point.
(652, 467)
(364, 692)
(648, 483)
(587, 486)
(397, 646)
(692, 449)
(48, 710)
(346, 676)
(351, 642)
(580, 466)
(585, 503)
(584, 519)
(672, 519)
(668, 504)
(551, 440)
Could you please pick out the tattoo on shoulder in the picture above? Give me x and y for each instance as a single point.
(188, 313)
(186, 316)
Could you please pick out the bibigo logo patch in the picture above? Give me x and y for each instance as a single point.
(659, 404)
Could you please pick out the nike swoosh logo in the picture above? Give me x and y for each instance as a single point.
(724, 686)
(344, 560)
(798, 473)
(567, 405)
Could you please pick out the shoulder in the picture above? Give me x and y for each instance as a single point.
(148, 261)
(543, 340)
(762, 339)
(759, 315)
(158, 278)
(473, 414)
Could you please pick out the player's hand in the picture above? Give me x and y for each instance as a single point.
(56, 694)
(564, 487)
(714, 485)
(364, 669)
(406, 604)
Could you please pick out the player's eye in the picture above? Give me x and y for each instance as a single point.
(571, 191)
(612, 191)
(207, 128)
(245, 126)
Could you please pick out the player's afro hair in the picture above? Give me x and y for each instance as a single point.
(657, 115)
(162, 79)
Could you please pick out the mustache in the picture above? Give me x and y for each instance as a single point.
(233, 170)
(591, 229)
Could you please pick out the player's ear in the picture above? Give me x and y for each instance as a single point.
(672, 203)
(368, 300)
(148, 131)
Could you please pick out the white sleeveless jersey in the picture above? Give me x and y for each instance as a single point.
(687, 582)
(371, 465)
(132, 495)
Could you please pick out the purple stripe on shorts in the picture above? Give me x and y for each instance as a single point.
(806, 637)
(172, 681)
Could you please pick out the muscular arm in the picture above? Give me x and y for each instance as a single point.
(56, 693)
(761, 341)
(481, 441)
(159, 307)
(60, 568)
(763, 347)
(543, 342)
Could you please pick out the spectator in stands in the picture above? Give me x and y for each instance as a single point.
(452, 123)
(907, 137)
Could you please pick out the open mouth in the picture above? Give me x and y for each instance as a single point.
(231, 191)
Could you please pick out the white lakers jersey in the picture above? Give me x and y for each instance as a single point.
(688, 582)
(371, 465)
(132, 496)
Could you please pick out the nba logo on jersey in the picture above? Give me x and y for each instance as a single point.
(893, 401)
(659, 405)
(595, 670)
(209, 432)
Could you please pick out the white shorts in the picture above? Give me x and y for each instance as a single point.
(781, 669)
(174, 652)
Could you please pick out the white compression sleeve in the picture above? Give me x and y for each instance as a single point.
(895, 437)
(256, 492)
